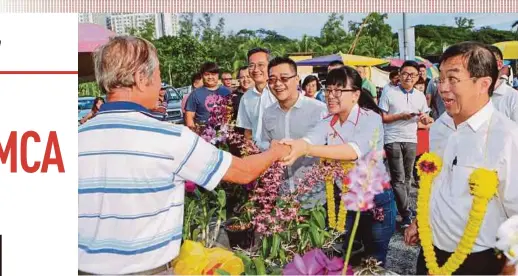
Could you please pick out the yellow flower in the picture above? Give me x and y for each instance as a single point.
(429, 164)
(483, 184)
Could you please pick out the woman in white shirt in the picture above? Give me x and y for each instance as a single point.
(354, 123)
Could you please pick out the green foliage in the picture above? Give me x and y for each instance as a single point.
(204, 39)
(89, 89)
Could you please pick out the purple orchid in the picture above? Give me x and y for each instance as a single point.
(315, 262)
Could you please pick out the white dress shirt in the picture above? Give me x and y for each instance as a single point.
(396, 100)
(358, 131)
(505, 100)
(251, 109)
(278, 124)
(488, 140)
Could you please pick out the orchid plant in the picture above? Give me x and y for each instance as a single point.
(315, 262)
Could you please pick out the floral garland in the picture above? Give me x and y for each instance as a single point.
(339, 224)
(483, 187)
(327, 170)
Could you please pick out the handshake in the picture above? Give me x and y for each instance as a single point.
(289, 150)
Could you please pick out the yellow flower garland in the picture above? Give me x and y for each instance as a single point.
(483, 186)
(339, 224)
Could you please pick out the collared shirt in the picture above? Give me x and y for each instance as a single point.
(486, 140)
(293, 124)
(505, 100)
(397, 100)
(361, 128)
(387, 86)
(251, 109)
(132, 170)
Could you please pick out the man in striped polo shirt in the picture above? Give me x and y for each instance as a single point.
(132, 168)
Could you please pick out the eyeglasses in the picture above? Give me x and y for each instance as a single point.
(452, 81)
(244, 77)
(284, 80)
(406, 75)
(337, 93)
(260, 66)
(227, 79)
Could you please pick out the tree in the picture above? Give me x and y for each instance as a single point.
(147, 31)
(464, 23)
(332, 32)
(186, 24)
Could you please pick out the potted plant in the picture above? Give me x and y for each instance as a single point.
(240, 230)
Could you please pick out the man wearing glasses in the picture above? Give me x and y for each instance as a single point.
(226, 79)
(403, 109)
(292, 117)
(258, 98)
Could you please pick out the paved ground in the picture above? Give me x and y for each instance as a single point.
(401, 258)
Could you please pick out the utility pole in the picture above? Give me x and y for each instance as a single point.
(405, 42)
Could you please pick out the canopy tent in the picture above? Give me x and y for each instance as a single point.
(351, 60)
(431, 69)
(90, 36)
(397, 62)
(509, 49)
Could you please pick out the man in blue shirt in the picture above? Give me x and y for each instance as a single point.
(196, 109)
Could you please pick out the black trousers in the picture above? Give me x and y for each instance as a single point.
(480, 263)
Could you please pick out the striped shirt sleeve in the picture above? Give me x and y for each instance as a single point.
(201, 162)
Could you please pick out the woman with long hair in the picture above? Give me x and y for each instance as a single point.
(95, 108)
(347, 133)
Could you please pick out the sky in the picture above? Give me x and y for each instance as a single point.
(297, 24)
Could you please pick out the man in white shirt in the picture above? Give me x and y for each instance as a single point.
(403, 109)
(133, 167)
(292, 117)
(505, 98)
(258, 98)
(471, 134)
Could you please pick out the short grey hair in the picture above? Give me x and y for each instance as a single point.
(117, 62)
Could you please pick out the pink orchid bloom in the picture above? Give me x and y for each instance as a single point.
(190, 186)
(367, 179)
(315, 262)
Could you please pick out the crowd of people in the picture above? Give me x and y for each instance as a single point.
(132, 167)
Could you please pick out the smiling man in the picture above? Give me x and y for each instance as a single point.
(258, 98)
(196, 108)
(403, 109)
(470, 135)
(292, 117)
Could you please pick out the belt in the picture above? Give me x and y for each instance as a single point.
(153, 271)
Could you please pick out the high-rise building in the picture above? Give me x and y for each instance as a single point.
(166, 24)
(95, 18)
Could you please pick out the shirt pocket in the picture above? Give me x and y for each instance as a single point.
(459, 180)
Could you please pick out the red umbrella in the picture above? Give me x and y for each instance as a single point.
(91, 36)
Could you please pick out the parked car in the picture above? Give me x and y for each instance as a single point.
(174, 106)
(84, 105)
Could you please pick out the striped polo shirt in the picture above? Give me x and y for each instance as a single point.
(132, 170)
